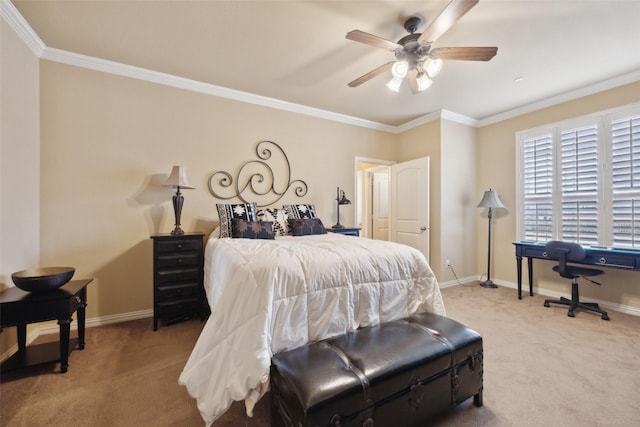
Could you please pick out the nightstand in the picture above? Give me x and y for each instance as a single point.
(345, 231)
(178, 269)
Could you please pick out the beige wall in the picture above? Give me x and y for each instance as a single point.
(19, 162)
(458, 200)
(496, 168)
(109, 142)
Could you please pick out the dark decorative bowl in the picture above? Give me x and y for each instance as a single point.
(42, 279)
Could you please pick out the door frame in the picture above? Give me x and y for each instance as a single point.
(359, 196)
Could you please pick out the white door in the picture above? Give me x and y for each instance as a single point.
(380, 203)
(410, 204)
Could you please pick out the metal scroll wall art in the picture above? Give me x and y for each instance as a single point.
(256, 178)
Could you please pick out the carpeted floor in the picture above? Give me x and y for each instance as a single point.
(541, 368)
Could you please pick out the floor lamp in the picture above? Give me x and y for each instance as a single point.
(489, 200)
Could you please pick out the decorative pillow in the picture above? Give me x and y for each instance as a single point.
(300, 211)
(252, 229)
(306, 226)
(278, 217)
(227, 212)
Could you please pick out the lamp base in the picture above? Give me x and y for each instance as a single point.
(177, 231)
(338, 225)
(488, 284)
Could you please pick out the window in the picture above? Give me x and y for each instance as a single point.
(580, 180)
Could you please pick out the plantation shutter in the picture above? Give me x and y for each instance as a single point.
(538, 187)
(579, 178)
(625, 176)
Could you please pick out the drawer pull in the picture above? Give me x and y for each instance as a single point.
(180, 261)
(602, 260)
(544, 254)
(179, 245)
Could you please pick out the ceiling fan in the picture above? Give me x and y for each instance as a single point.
(415, 57)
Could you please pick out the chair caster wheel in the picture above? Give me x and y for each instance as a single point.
(605, 316)
(570, 314)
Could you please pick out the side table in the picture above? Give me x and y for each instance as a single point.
(19, 308)
(346, 231)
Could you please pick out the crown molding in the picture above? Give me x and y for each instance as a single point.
(612, 83)
(22, 28)
(111, 67)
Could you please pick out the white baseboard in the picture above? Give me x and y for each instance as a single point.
(53, 328)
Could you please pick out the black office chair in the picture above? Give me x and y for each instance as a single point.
(572, 252)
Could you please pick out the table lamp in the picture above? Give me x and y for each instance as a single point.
(341, 199)
(178, 179)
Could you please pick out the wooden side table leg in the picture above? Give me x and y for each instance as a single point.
(64, 344)
(22, 336)
(81, 319)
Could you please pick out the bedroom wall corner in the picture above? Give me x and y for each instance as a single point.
(19, 162)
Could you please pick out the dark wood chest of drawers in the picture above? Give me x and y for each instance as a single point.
(178, 291)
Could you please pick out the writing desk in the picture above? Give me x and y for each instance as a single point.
(625, 259)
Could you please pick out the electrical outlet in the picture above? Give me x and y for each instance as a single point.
(448, 263)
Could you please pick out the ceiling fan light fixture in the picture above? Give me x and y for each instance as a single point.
(424, 82)
(394, 84)
(432, 66)
(399, 69)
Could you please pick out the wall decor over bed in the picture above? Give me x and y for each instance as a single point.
(256, 178)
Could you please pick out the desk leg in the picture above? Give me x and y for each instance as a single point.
(64, 344)
(530, 268)
(519, 268)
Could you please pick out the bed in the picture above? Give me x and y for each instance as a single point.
(270, 295)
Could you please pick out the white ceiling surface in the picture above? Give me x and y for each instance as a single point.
(296, 51)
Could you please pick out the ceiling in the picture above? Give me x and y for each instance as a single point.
(296, 51)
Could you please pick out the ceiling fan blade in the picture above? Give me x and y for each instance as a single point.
(371, 40)
(413, 81)
(464, 53)
(454, 11)
(371, 74)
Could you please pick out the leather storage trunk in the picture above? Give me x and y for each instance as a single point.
(398, 373)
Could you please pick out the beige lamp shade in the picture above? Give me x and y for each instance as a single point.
(490, 199)
(178, 178)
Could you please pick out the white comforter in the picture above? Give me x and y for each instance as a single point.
(267, 296)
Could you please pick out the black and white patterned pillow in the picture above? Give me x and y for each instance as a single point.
(306, 226)
(300, 211)
(252, 229)
(228, 212)
(278, 217)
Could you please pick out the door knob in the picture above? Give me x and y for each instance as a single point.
(423, 228)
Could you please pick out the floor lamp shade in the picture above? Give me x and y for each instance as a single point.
(178, 179)
(490, 200)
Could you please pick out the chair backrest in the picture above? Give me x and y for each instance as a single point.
(564, 252)
(567, 251)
